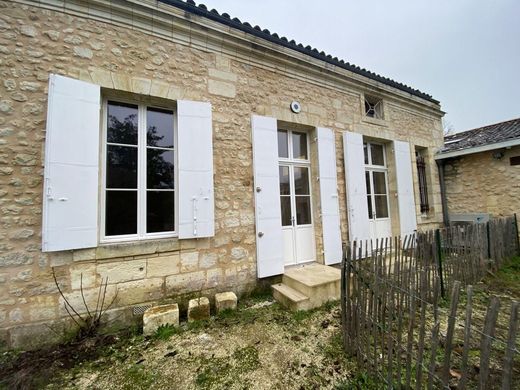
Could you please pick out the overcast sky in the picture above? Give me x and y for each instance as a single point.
(465, 53)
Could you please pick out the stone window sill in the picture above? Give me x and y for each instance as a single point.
(374, 121)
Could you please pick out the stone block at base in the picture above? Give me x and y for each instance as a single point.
(198, 309)
(156, 316)
(225, 300)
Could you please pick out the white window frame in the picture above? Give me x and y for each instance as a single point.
(370, 168)
(142, 105)
(291, 163)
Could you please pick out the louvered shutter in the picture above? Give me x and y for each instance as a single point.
(267, 197)
(195, 160)
(330, 219)
(359, 227)
(405, 194)
(70, 201)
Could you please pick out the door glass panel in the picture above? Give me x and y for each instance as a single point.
(367, 179)
(381, 206)
(159, 168)
(285, 202)
(121, 166)
(379, 183)
(301, 181)
(283, 144)
(365, 152)
(160, 211)
(303, 210)
(299, 142)
(159, 130)
(377, 154)
(369, 202)
(284, 181)
(121, 213)
(122, 123)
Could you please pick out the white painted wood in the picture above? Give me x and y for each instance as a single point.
(289, 254)
(359, 228)
(70, 201)
(269, 246)
(405, 194)
(195, 161)
(304, 244)
(330, 218)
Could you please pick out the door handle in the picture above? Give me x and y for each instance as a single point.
(292, 221)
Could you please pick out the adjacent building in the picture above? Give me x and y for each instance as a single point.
(168, 149)
(482, 171)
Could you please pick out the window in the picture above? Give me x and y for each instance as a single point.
(373, 107)
(376, 180)
(139, 171)
(423, 185)
(295, 196)
(515, 160)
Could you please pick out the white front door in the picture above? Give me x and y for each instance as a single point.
(376, 176)
(295, 197)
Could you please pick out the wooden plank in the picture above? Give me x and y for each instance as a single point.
(448, 345)
(507, 367)
(467, 339)
(485, 343)
(422, 331)
(434, 343)
(409, 343)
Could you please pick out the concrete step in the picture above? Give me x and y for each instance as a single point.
(290, 298)
(321, 283)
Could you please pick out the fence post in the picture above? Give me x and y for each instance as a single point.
(439, 259)
(488, 236)
(517, 236)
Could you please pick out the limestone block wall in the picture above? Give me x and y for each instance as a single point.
(479, 183)
(35, 42)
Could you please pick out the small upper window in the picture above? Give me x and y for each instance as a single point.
(373, 107)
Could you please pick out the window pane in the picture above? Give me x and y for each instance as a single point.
(283, 146)
(379, 183)
(160, 208)
(160, 128)
(301, 181)
(285, 202)
(377, 154)
(159, 168)
(121, 213)
(284, 181)
(365, 152)
(121, 167)
(122, 123)
(369, 202)
(299, 141)
(381, 206)
(367, 179)
(303, 210)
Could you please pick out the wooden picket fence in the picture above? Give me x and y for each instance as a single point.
(405, 335)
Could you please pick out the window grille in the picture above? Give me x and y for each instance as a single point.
(373, 107)
(423, 186)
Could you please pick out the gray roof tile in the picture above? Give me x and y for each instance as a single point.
(491, 134)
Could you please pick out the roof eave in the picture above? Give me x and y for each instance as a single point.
(478, 149)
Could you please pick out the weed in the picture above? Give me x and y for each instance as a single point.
(164, 332)
(362, 381)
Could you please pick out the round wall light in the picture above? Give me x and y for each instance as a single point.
(296, 107)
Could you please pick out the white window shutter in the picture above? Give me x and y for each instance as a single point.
(267, 197)
(71, 172)
(330, 219)
(405, 194)
(195, 160)
(359, 227)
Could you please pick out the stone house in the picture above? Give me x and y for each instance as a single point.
(481, 169)
(170, 149)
